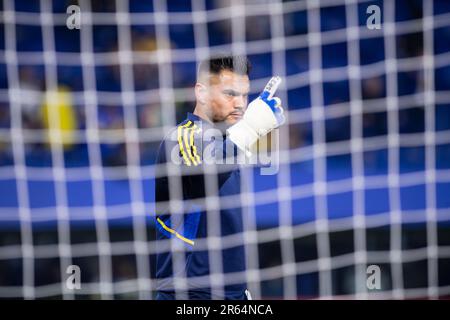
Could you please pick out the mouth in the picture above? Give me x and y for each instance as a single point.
(237, 114)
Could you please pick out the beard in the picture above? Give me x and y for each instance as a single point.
(222, 125)
(224, 122)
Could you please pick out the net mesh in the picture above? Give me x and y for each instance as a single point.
(364, 159)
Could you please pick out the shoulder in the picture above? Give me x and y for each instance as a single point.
(185, 139)
(189, 125)
(188, 141)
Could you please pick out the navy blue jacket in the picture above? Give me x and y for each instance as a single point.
(186, 146)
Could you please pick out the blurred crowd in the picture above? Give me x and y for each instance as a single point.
(44, 111)
(69, 114)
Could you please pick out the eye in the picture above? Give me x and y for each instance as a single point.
(229, 94)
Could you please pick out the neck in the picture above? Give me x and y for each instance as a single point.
(200, 113)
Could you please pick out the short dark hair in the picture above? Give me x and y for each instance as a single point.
(216, 64)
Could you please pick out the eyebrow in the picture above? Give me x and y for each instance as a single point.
(234, 92)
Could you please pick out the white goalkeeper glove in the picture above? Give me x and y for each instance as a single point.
(262, 116)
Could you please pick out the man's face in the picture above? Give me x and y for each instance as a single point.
(227, 97)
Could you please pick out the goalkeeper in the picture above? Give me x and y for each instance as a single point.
(221, 95)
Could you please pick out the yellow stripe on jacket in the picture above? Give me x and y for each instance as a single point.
(187, 144)
(180, 143)
(179, 236)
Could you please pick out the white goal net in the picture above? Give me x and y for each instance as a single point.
(359, 208)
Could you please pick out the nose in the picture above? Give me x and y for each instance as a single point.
(240, 102)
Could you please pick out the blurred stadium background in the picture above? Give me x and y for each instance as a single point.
(365, 158)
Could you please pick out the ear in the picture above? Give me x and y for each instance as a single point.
(201, 93)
